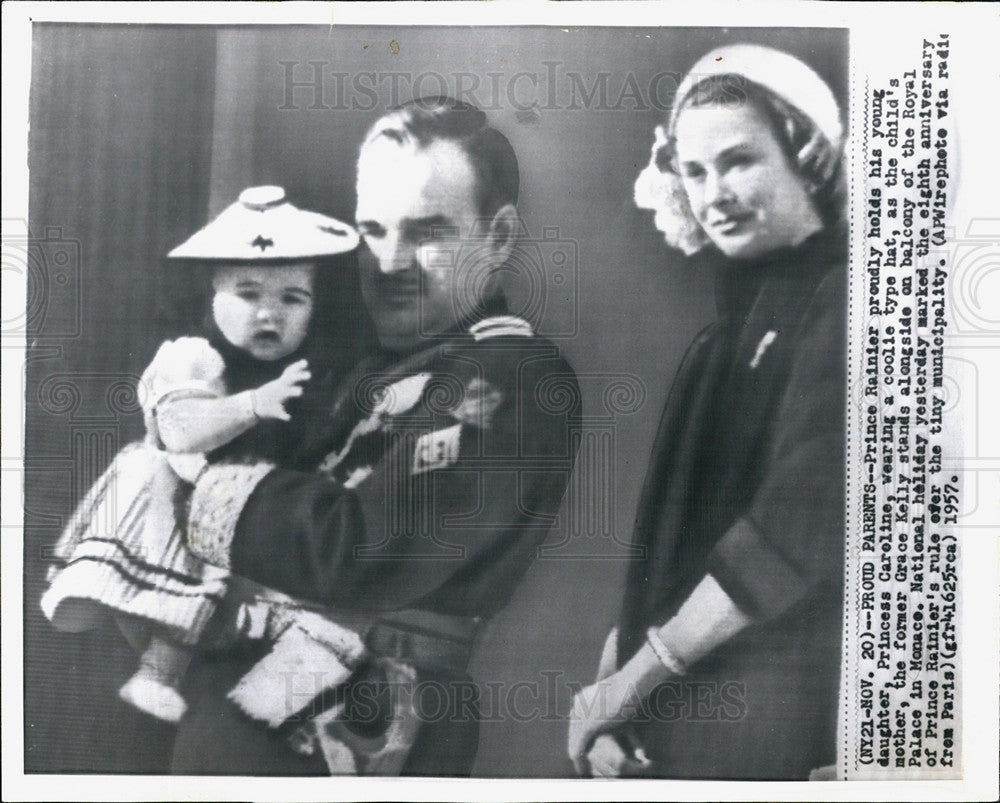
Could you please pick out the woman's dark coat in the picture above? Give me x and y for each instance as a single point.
(746, 483)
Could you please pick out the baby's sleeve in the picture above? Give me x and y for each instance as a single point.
(187, 366)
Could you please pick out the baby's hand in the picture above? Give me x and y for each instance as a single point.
(269, 400)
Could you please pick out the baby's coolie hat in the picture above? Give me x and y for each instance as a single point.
(262, 226)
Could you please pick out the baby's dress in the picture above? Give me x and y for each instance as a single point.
(123, 550)
(124, 553)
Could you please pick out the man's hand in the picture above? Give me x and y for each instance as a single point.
(269, 400)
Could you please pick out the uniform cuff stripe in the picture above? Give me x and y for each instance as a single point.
(216, 504)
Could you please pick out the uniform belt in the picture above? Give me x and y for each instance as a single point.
(425, 639)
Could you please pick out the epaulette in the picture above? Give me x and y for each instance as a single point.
(499, 326)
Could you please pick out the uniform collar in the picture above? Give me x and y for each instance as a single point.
(492, 319)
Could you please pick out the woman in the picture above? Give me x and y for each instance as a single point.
(725, 662)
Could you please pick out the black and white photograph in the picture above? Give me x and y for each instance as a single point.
(488, 402)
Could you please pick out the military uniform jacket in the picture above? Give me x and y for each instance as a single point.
(427, 483)
(746, 483)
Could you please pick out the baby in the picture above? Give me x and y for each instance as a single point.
(223, 396)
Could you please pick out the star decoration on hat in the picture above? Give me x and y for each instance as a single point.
(262, 242)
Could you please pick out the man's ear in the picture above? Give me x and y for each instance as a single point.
(504, 229)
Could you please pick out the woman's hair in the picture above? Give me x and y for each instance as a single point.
(812, 156)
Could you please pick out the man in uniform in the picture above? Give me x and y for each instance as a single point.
(425, 488)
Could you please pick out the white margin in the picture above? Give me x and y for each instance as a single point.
(980, 558)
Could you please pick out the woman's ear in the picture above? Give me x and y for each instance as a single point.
(504, 230)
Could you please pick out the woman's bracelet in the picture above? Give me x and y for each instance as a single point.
(667, 658)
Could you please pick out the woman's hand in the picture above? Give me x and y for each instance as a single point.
(598, 709)
(608, 662)
(269, 400)
(609, 703)
(608, 759)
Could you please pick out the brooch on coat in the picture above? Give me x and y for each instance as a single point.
(765, 343)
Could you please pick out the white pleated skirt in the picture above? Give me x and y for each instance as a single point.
(124, 553)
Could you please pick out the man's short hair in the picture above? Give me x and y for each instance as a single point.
(426, 120)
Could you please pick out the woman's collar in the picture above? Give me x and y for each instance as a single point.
(738, 282)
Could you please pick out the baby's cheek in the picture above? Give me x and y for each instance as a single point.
(230, 306)
(298, 328)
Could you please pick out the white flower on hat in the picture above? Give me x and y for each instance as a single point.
(663, 192)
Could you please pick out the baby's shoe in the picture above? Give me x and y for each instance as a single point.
(149, 693)
(153, 688)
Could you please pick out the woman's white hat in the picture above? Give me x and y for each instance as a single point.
(786, 76)
(263, 226)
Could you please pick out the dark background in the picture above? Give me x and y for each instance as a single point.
(139, 133)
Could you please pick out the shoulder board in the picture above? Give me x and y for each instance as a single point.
(499, 326)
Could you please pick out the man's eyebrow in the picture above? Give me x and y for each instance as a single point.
(248, 283)
(428, 222)
(300, 290)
